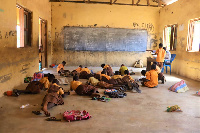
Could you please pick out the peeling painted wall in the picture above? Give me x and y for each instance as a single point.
(17, 63)
(186, 63)
(98, 15)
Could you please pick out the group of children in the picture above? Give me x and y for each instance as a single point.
(155, 73)
(103, 79)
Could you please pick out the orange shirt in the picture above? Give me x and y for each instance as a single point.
(160, 55)
(130, 78)
(116, 76)
(45, 81)
(86, 69)
(108, 77)
(79, 69)
(59, 67)
(60, 91)
(75, 84)
(151, 75)
(106, 66)
(99, 72)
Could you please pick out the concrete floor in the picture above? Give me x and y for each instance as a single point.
(136, 113)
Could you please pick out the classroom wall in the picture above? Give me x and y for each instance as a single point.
(17, 63)
(186, 63)
(115, 16)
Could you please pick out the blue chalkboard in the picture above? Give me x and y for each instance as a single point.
(104, 39)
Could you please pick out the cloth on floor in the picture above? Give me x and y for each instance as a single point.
(63, 81)
(174, 108)
(198, 92)
(179, 87)
(76, 115)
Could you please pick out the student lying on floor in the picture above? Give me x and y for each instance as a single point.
(151, 80)
(122, 69)
(108, 69)
(35, 86)
(116, 75)
(84, 73)
(54, 97)
(82, 89)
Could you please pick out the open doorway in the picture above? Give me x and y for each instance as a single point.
(42, 43)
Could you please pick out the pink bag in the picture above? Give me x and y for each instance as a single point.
(76, 115)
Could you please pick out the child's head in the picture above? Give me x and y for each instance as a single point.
(51, 77)
(55, 81)
(155, 63)
(126, 72)
(143, 72)
(75, 78)
(160, 45)
(116, 72)
(63, 63)
(153, 67)
(81, 66)
(164, 48)
(122, 65)
(104, 71)
(102, 65)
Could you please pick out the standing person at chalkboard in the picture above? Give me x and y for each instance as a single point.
(160, 55)
(108, 69)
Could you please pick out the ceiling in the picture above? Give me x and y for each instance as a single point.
(140, 2)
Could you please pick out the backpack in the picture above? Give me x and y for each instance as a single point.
(76, 115)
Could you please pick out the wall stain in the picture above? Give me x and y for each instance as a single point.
(0, 35)
(154, 41)
(5, 78)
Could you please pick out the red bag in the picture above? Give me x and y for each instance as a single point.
(76, 115)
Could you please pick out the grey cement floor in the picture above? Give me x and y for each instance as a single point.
(136, 113)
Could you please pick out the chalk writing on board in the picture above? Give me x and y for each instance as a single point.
(104, 39)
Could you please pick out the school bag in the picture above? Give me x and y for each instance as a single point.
(37, 76)
(76, 115)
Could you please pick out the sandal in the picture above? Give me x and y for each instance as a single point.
(36, 112)
(53, 119)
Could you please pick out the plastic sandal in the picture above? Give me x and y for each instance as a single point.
(53, 119)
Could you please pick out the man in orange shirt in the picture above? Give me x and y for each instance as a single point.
(160, 55)
(61, 66)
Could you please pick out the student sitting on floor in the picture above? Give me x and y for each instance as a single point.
(61, 66)
(160, 74)
(122, 69)
(54, 97)
(108, 69)
(79, 69)
(82, 89)
(116, 75)
(151, 80)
